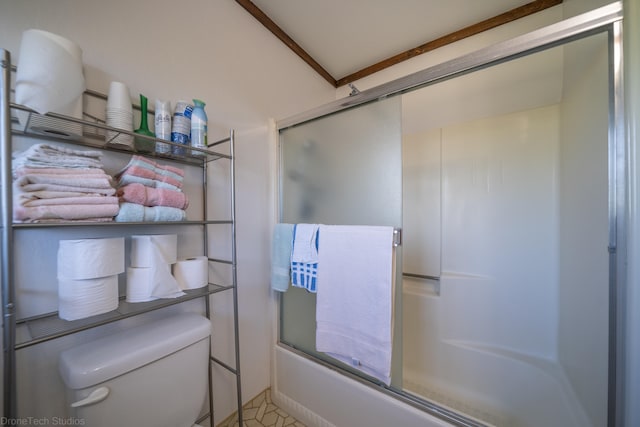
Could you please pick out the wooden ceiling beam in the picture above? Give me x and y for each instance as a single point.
(284, 37)
(504, 18)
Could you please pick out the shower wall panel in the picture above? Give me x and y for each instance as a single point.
(583, 209)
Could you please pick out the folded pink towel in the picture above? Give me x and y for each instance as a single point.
(83, 200)
(60, 221)
(22, 171)
(23, 198)
(127, 179)
(79, 180)
(143, 162)
(147, 196)
(168, 168)
(141, 172)
(64, 212)
(33, 188)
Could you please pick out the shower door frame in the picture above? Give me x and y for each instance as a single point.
(607, 19)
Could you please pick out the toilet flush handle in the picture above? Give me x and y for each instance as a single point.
(97, 395)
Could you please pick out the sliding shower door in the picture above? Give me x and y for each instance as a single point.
(511, 190)
(341, 169)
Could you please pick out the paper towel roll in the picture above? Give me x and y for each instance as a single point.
(139, 284)
(78, 299)
(143, 249)
(90, 258)
(192, 273)
(49, 74)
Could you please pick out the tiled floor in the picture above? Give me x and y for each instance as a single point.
(261, 411)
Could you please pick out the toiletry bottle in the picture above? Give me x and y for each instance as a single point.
(163, 125)
(181, 127)
(198, 127)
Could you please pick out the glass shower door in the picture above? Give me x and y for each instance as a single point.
(341, 169)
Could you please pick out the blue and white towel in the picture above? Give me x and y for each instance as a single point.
(304, 257)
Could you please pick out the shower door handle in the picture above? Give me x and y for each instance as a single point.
(397, 237)
(97, 395)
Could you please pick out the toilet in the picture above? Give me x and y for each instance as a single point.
(154, 375)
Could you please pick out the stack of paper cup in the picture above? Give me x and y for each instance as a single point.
(119, 115)
(88, 276)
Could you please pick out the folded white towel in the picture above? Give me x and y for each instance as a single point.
(354, 305)
(304, 257)
(48, 156)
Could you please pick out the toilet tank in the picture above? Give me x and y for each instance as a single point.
(154, 375)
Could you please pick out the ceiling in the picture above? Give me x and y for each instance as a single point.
(344, 40)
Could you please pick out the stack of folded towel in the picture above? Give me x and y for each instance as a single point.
(57, 184)
(149, 191)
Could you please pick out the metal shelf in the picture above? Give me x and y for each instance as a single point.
(49, 326)
(93, 136)
(26, 332)
(20, 225)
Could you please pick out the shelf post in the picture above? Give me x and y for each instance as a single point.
(234, 263)
(8, 292)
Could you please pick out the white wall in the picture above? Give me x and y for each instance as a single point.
(217, 52)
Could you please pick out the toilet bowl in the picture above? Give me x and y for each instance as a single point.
(154, 375)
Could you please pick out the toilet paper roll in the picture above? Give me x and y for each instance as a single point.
(90, 258)
(143, 249)
(139, 284)
(149, 283)
(78, 299)
(192, 273)
(49, 74)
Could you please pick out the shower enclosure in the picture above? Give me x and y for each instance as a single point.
(505, 171)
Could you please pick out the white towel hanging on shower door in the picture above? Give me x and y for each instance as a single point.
(354, 305)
